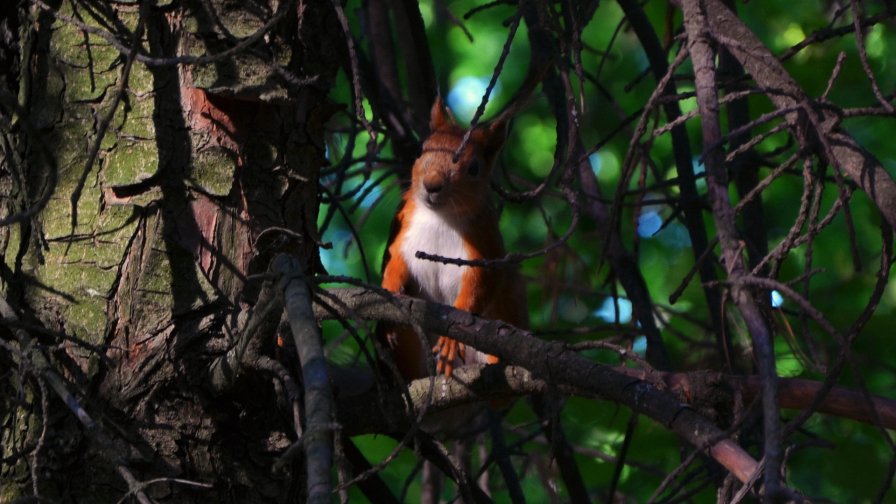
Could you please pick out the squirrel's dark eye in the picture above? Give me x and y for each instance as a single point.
(474, 168)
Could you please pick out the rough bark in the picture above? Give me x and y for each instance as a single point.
(202, 152)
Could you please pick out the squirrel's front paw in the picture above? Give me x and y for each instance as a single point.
(447, 352)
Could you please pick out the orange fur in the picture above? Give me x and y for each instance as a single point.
(447, 212)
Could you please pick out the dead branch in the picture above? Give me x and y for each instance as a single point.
(703, 58)
(318, 438)
(820, 124)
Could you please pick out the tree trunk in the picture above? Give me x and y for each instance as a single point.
(167, 172)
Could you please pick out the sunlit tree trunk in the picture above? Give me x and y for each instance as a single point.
(163, 172)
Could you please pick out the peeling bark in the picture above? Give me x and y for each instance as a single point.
(196, 162)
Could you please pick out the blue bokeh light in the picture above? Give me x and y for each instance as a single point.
(332, 259)
(370, 193)
(649, 223)
(594, 160)
(639, 345)
(777, 299)
(466, 95)
(700, 173)
(699, 167)
(607, 311)
(675, 235)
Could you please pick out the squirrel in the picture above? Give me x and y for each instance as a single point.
(447, 212)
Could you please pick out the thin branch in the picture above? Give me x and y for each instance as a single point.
(546, 406)
(34, 359)
(491, 85)
(51, 171)
(318, 438)
(691, 202)
(703, 58)
(840, 148)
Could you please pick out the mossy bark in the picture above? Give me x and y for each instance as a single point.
(197, 161)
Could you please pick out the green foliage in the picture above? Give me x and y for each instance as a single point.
(568, 285)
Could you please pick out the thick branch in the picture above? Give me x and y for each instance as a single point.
(476, 383)
(262, 324)
(793, 393)
(553, 361)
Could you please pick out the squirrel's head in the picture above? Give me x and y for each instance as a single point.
(457, 188)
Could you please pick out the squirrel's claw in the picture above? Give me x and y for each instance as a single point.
(447, 350)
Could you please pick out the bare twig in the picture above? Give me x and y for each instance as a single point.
(691, 202)
(840, 148)
(703, 59)
(491, 85)
(863, 55)
(318, 438)
(51, 168)
(34, 359)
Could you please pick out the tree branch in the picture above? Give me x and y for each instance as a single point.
(261, 325)
(703, 58)
(31, 357)
(691, 204)
(793, 393)
(838, 147)
(318, 439)
(553, 361)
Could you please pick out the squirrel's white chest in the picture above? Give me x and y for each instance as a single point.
(429, 232)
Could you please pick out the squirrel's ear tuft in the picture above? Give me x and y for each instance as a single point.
(439, 116)
(495, 135)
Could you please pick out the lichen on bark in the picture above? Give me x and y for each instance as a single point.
(195, 163)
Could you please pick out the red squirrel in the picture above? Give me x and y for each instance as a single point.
(446, 212)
